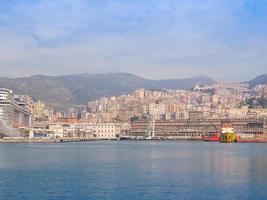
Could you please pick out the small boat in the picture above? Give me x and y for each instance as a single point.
(125, 137)
(212, 138)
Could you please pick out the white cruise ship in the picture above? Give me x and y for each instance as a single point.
(13, 114)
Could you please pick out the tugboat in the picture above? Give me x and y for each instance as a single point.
(227, 134)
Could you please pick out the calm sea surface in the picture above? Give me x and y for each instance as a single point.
(133, 170)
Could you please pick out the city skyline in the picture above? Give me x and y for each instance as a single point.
(152, 39)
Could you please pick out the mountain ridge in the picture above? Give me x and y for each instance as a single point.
(65, 91)
(259, 80)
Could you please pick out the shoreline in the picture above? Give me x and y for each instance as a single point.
(66, 140)
(41, 140)
(71, 139)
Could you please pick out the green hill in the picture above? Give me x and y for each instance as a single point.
(62, 92)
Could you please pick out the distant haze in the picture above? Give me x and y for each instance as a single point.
(223, 39)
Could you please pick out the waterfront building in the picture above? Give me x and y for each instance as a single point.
(188, 128)
(106, 130)
(61, 130)
(102, 131)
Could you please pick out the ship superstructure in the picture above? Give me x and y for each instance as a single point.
(13, 113)
(228, 134)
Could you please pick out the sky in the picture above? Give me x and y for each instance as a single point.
(156, 39)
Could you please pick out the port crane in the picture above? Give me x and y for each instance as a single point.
(151, 128)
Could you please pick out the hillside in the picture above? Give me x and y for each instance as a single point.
(62, 92)
(259, 80)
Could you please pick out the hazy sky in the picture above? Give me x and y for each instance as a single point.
(224, 39)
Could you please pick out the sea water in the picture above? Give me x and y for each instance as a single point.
(133, 170)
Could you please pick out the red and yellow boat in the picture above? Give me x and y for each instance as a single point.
(212, 138)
